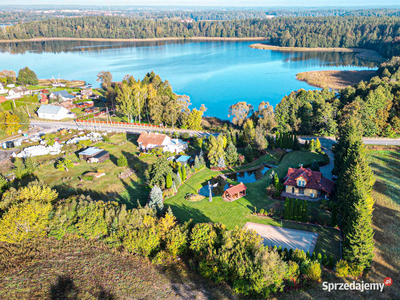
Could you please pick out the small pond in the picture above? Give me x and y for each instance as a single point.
(243, 176)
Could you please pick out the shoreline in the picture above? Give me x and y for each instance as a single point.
(361, 53)
(334, 79)
(45, 39)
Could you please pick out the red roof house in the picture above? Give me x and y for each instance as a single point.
(43, 98)
(234, 192)
(305, 182)
(3, 99)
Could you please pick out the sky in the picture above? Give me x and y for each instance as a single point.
(211, 2)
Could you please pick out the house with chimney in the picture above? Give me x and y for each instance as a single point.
(303, 183)
(151, 140)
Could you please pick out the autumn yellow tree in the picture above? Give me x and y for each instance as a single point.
(25, 221)
(10, 123)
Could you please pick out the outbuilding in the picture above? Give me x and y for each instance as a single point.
(234, 192)
(94, 155)
(54, 112)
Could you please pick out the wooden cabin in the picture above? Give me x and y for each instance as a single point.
(94, 155)
(234, 192)
(99, 158)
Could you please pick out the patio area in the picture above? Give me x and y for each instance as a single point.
(284, 237)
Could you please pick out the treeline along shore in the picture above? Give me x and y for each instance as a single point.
(44, 39)
(379, 34)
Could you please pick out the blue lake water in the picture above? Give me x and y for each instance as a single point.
(217, 74)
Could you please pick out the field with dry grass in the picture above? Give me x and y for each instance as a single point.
(79, 269)
(334, 79)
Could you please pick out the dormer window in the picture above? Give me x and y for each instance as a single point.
(301, 182)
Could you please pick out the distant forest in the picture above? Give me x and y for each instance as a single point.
(381, 34)
(16, 14)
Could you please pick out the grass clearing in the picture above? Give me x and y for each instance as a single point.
(78, 269)
(109, 187)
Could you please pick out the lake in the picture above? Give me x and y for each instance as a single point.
(214, 73)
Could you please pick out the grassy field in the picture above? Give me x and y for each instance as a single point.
(126, 191)
(239, 212)
(385, 162)
(335, 79)
(79, 269)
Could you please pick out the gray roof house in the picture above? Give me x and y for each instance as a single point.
(53, 112)
(63, 94)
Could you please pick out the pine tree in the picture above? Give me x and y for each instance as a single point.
(231, 154)
(197, 165)
(221, 162)
(305, 211)
(168, 181)
(249, 153)
(308, 255)
(331, 262)
(156, 199)
(312, 145)
(334, 216)
(178, 179)
(313, 256)
(169, 211)
(325, 260)
(319, 258)
(286, 212)
(174, 187)
(180, 173)
(296, 210)
(296, 143)
(354, 188)
(291, 209)
(183, 172)
(276, 181)
(318, 145)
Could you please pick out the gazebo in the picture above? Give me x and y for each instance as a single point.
(234, 192)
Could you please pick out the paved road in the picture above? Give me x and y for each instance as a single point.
(46, 127)
(328, 142)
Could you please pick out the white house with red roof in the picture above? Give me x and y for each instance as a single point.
(304, 182)
(150, 140)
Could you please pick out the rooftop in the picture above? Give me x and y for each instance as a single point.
(147, 138)
(314, 180)
(183, 158)
(49, 109)
(236, 189)
(91, 151)
(63, 93)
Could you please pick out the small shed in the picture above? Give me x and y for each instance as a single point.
(234, 192)
(99, 157)
(89, 152)
(183, 159)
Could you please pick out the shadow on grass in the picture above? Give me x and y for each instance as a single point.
(64, 288)
(134, 193)
(185, 213)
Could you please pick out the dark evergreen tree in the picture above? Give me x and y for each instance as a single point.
(354, 188)
(334, 221)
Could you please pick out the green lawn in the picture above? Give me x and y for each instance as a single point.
(239, 212)
(385, 162)
(109, 187)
